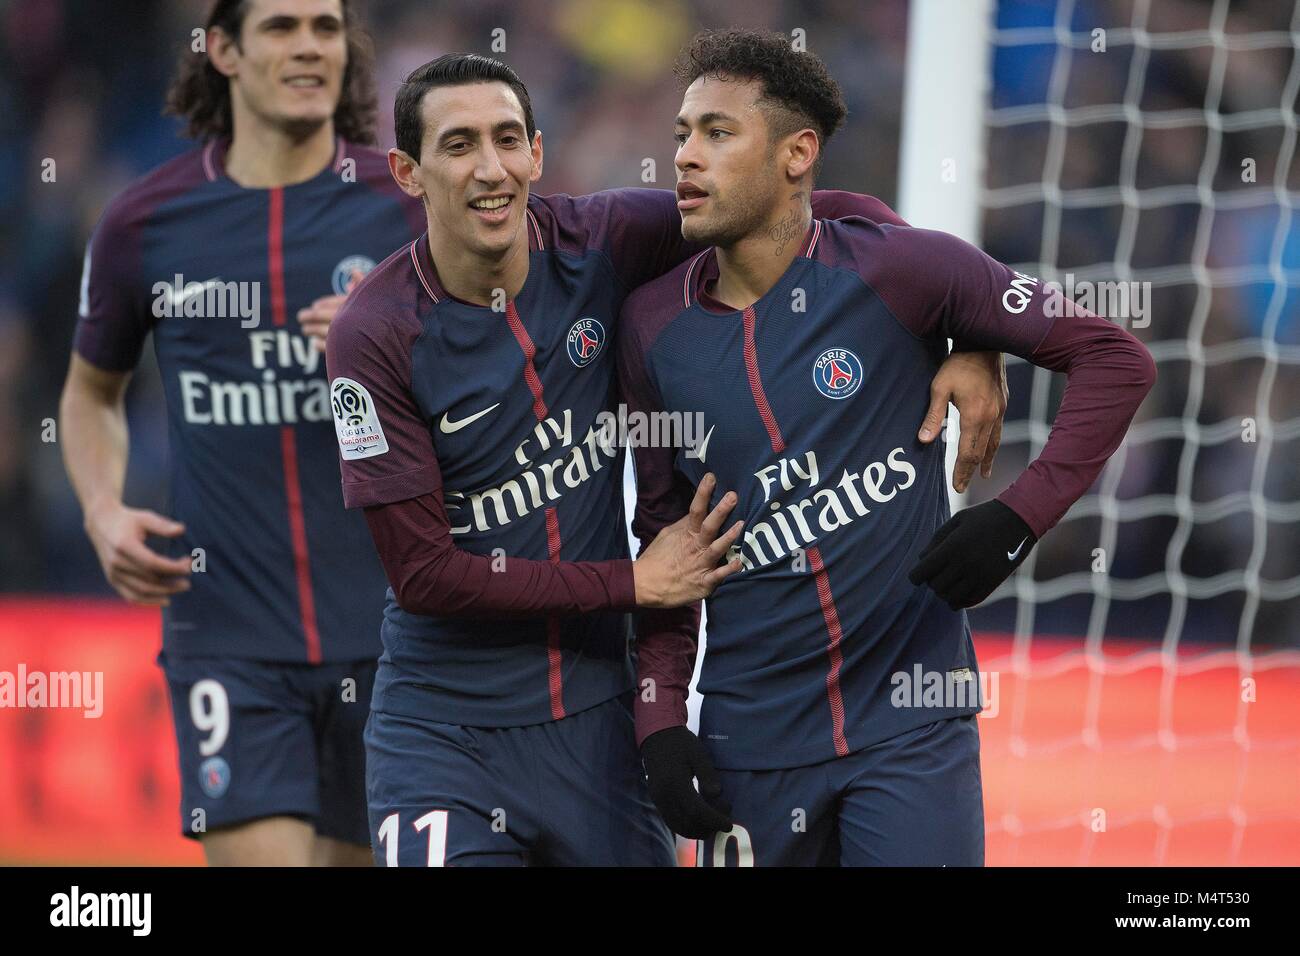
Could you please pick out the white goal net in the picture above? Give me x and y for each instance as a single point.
(1142, 155)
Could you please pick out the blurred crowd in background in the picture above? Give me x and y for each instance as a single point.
(82, 82)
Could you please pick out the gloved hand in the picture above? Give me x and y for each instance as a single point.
(672, 757)
(974, 552)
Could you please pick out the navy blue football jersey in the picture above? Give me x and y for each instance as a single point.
(496, 420)
(217, 273)
(810, 401)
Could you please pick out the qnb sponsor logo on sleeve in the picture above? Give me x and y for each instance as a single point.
(825, 511)
(356, 422)
(279, 391)
(553, 464)
(75, 908)
(210, 299)
(1016, 299)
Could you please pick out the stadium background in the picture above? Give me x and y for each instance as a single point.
(1141, 745)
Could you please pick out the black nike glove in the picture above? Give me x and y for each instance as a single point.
(974, 552)
(672, 757)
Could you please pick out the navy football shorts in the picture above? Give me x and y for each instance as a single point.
(913, 800)
(567, 792)
(263, 739)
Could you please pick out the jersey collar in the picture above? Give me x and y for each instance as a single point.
(214, 157)
(427, 272)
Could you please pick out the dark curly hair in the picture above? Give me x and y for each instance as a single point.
(798, 90)
(201, 96)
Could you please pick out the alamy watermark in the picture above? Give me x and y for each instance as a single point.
(211, 299)
(959, 687)
(75, 690)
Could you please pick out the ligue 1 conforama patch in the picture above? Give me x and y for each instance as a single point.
(355, 421)
(837, 373)
(214, 776)
(586, 339)
(349, 272)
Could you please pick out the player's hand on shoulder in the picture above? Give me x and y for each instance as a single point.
(673, 757)
(974, 552)
(976, 382)
(316, 318)
(685, 562)
(138, 573)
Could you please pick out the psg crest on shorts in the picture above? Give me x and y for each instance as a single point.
(837, 373)
(349, 272)
(214, 776)
(586, 339)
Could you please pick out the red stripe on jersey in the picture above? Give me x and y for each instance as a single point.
(554, 674)
(756, 385)
(275, 253)
(298, 534)
(288, 440)
(832, 617)
(530, 351)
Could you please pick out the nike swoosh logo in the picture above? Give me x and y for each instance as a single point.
(1011, 555)
(448, 427)
(702, 449)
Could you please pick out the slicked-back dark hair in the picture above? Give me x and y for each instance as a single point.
(450, 69)
(201, 96)
(797, 84)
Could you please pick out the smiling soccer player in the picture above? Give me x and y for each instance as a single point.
(268, 222)
(469, 373)
(809, 414)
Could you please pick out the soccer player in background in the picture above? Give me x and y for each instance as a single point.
(469, 373)
(808, 346)
(236, 255)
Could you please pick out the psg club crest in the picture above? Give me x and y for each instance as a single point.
(586, 339)
(349, 272)
(837, 373)
(214, 776)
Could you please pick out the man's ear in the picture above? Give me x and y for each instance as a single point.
(537, 157)
(803, 152)
(403, 167)
(223, 52)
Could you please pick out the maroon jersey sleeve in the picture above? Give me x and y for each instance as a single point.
(837, 204)
(114, 317)
(641, 230)
(666, 639)
(937, 284)
(391, 469)
(430, 575)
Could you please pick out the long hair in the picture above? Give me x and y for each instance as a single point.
(201, 96)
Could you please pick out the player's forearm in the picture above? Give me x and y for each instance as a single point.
(665, 652)
(1109, 373)
(430, 575)
(93, 439)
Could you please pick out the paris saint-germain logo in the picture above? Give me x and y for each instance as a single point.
(837, 373)
(349, 272)
(586, 339)
(214, 776)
